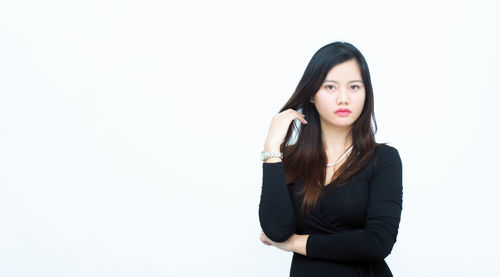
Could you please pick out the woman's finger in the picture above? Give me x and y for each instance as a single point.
(301, 119)
(300, 116)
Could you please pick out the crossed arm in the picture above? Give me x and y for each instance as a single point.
(374, 241)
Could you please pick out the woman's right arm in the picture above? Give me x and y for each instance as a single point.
(276, 214)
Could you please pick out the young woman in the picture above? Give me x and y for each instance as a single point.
(334, 197)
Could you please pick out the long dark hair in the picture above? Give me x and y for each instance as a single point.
(306, 158)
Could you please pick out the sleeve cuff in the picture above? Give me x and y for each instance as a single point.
(272, 164)
(310, 246)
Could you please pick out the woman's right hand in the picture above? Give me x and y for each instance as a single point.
(279, 127)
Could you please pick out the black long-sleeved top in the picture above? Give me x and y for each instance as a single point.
(351, 229)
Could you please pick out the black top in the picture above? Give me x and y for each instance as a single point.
(351, 229)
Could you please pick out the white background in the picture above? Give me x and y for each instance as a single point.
(130, 131)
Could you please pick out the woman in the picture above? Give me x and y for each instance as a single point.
(335, 196)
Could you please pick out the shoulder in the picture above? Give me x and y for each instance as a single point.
(385, 153)
(384, 148)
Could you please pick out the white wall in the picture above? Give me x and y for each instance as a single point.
(130, 131)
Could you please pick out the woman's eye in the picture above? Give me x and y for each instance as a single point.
(355, 86)
(330, 87)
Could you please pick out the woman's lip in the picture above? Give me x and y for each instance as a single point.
(342, 113)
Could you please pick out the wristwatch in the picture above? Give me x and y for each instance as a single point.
(266, 155)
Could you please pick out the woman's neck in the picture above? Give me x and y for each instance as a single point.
(336, 141)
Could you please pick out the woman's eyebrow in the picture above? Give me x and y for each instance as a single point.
(333, 81)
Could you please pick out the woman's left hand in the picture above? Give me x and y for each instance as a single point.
(285, 246)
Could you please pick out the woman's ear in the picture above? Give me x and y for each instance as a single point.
(311, 100)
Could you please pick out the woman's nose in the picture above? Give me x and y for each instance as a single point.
(343, 96)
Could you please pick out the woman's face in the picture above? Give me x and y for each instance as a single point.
(342, 89)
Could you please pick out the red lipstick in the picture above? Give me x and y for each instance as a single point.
(342, 112)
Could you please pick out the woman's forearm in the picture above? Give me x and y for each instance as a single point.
(299, 244)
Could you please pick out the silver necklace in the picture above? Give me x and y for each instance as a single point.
(341, 158)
